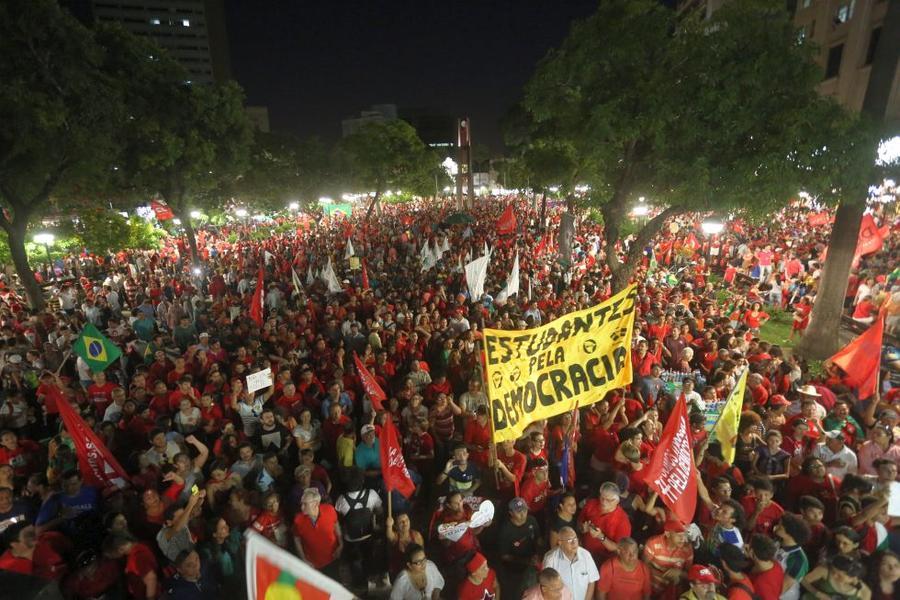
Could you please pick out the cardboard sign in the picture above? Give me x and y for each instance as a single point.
(894, 500)
(260, 380)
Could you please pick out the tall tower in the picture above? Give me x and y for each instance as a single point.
(464, 176)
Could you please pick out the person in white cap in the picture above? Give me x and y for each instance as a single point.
(838, 458)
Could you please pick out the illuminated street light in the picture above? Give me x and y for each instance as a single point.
(712, 226)
(294, 206)
(46, 239)
(641, 210)
(176, 221)
(195, 214)
(241, 212)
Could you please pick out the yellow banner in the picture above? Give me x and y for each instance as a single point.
(573, 361)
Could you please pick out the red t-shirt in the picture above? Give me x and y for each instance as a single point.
(483, 591)
(22, 458)
(318, 539)
(768, 583)
(101, 395)
(8, 562)
(614, 525)
(516, 465)
(765, 521)
(139, 562)
(534, 493)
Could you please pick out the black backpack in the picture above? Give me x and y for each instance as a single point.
(358, 520)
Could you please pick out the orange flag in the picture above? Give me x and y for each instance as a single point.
(861, 359)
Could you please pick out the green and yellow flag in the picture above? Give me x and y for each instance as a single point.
(726, 428)
(95, 349)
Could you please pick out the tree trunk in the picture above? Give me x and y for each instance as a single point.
(822, 337)
(16, 234)
(623, 270)
(543, 210)
(191, 239)
(373, 203)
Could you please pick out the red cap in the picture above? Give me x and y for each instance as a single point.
(702, 574)
(475, 562)
(674, 526)
(779, 400)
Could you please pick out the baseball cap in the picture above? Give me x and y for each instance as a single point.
(367, 428)
(835, 434)
(475, 562)
(702, 574)
(517, 505)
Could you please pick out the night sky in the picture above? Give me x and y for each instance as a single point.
(314, 63)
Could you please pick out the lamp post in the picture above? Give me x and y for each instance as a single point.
(711, 227)
(46, 239)
(241, 213)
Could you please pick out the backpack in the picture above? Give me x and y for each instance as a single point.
(358, 520)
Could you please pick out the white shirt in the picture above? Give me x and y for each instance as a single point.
(577, 574)
(405, 590)
(845, 454)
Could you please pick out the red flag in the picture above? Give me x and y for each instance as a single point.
(861, 359)
(98, 466)
(256, 305)
(671, 470)
(365, 276)
(376, 394)
(692, 243)
(161, 211)
(507, 222)
(817, 219)
(393, 465)
(870, 239)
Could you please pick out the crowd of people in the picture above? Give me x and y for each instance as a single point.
(801, 512)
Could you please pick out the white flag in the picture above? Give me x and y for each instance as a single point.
(348, 249)
(446, 246)
(426, 257)
(487, 251)
(268, 256)
(277, 573)
(512, 282)
(330, 279)
(296, 281)
(476, 273)
(310, 276)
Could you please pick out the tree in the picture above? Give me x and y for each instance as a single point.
(61, 114)
(389, 154)
(822, 337)
(696, 114)
(184, 141)
(283, 168)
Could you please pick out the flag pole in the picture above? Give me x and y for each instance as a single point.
(484, 384)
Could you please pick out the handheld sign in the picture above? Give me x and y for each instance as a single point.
(259, 380)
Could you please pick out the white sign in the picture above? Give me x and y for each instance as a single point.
(894, 500)
(260, 380)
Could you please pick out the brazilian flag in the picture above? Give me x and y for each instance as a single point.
(95, 349)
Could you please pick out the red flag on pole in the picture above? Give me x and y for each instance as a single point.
(861, 359)
(98, 466)
(256, 305)
(376, 394)
(671, 470)
(870, 239)
(692, 242)
(162, 211)
(365, 276)
(393, 465)
(507, 222)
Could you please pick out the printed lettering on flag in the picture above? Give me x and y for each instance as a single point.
(671, 469)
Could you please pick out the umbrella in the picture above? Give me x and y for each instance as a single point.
(459, 218)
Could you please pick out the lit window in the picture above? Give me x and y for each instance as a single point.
(186, 22)
(154, 21)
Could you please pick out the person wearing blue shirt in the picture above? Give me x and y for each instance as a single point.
(335, 394)
(64, 509)
(368, 453)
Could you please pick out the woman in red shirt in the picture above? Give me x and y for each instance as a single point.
(755, 317)
(478, 437)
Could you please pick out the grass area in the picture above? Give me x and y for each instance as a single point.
(776, 331)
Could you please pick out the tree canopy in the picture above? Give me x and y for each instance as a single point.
(693, 113)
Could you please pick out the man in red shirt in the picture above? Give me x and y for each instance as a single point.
(757, 390)
(317, 533)
(762, 512)
(767, 574)
(19, 454)
(141, 568)
(669, 556)
(604, 523)
(100, 392)
(20, 552)
(511, 466)
(535, 488)
(481, 583)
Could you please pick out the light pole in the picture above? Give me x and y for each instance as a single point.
(711, 227)
(46, 239)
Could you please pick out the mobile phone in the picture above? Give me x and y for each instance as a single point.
(195, 490)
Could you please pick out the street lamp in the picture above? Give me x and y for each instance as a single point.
(294, 206)
(46, 239)
(712, 226)
(195, 214)
(241, 212)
